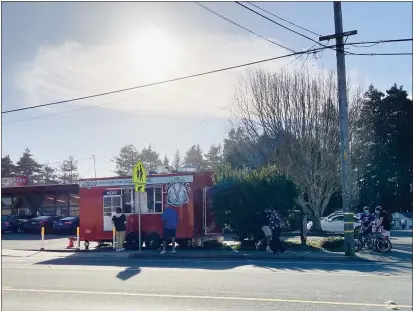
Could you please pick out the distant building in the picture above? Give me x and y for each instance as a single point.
(35, 200)
(402, 218)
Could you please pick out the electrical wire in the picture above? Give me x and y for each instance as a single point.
(166, 81)
(84, 175)
(193, 76)
(291, 23)
(382, 54)
(230, 104)
(373, 43)
(236, 24)
(69, 111)
(285, 27)
(49, 163)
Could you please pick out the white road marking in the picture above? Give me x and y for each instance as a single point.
(320, 302)
(244, 269)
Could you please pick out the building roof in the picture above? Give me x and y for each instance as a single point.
(407, 214)
(51, 189)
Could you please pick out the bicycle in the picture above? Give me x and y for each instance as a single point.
(374, 241)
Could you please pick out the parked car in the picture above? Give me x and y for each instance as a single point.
(11, 223)
(66, 225)
(35, 224)
(334, 223)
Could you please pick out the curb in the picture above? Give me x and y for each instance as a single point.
(224, 256)
(243, 257)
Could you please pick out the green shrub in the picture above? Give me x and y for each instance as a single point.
(240, 196)
(333, 244)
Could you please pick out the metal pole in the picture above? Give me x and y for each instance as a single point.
(114, 237)
(139, 217)
(77, 238)
(94, 164)
(42, 233)
(343, 110)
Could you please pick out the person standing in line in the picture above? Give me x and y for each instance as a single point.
(119, 221)
(170, 221)
(264, 221)
(276, 225)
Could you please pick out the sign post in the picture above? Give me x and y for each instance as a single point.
(139, 179)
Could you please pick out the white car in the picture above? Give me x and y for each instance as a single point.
(335, 223)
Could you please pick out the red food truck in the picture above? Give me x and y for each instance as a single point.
(187, 193)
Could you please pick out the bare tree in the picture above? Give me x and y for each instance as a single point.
(297, 116)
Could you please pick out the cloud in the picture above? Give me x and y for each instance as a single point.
(71, 69)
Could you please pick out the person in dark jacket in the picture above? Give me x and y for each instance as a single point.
(119, 221)
(264, 222)
(276, 225)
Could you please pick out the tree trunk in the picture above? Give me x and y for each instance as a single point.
(316, 222)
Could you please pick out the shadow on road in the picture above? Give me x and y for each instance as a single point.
(128, 273)
(133, 267)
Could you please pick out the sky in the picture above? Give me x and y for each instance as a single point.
(55, 51)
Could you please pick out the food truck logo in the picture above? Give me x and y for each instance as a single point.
(90, 184)
(177, 192)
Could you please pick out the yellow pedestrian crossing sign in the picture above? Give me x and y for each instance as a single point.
(139, 176)
(139, 188)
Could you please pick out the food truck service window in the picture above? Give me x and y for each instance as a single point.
(127, 207)
(152, 200)
(111, 201)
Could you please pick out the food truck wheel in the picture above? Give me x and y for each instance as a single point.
(183, 243)
(153, 241)
(87, 245)
(131, 241)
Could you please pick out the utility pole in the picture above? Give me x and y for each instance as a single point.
(343, 110)
(94, 164)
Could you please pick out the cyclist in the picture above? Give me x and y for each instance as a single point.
(367, 221)
(383, 221)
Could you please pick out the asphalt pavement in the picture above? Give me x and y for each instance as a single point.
(46, 281)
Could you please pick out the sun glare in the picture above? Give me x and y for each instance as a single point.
(155, 53)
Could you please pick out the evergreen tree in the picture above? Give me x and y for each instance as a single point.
(387, 128)
(28, 166)
(177, 161)
(7, 167)
(165, 161)
(125, 161)
(150, 158)
(214, 158)
(194, 157)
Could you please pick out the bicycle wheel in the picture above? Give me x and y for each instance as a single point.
(371, 243)
(358, 245)
(383, 245)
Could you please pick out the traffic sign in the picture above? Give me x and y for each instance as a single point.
(139, 174)
(139, 187)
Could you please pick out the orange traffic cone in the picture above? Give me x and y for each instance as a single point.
(70, 243)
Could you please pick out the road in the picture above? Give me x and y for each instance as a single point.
(43, 282)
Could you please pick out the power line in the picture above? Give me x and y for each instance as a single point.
(291, 23)
(373, 43)
(69, 111)
(49, 163)
(193, 76)
(382, 54)
(236, 24)
(285, 27)
(230, 104)
(167, 81)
